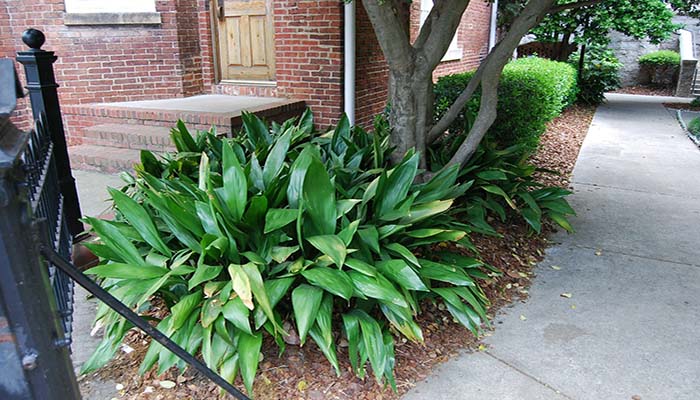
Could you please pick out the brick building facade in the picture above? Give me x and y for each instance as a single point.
(172, 52)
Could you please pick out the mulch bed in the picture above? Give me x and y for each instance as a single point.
(646, 90)
(304, 373)
(681, 106)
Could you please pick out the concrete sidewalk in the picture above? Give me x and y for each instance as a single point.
(632, 325)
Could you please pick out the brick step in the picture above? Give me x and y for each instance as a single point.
(88, 157)
(129, 136)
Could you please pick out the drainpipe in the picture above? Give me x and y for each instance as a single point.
(349, 73)
(494, 21)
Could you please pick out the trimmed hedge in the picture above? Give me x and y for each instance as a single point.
(599, 75)
(661, 58)
(694, 126)
(531, 93)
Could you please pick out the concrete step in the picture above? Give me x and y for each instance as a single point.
(88, 157)
(129, 136)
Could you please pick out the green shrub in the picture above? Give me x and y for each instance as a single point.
(694, 126)
(599, 74)
(239, 237)
(663, 58)
(695, 102)
(532, 92)
(660, 67)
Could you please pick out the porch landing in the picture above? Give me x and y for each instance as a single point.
(108, 137)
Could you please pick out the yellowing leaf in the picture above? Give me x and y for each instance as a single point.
(302, 385)
(241, 285)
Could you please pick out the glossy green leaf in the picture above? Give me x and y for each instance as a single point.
(116, 242)
(361, 266)
(444, 273)
(275, 159)
(332, 280)
(249, 355)
(374, 343)
(139, 218)
(306, 300)
(330, 245)
(126, 271)
(397, 185)
(401, 273)
(258, 288)
(181, 311)
(237, 313)
(277, 218)
(405, 253)
(204, 273)
(235, 188)
(297, 174)
(319, 199)
(377, 287)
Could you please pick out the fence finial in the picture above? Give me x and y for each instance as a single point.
(33, 38)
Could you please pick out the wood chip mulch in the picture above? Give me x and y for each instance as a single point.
(646, 90)
(682, 106)
(304, 373)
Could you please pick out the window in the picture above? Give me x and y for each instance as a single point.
(454, 52)
(101, 12)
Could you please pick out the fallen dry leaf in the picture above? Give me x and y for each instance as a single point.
(567, 295)
(166, 384)
(556, 267)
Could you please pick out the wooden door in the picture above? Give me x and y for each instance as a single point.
(246, 40)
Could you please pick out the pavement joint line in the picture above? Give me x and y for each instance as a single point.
(520, 371)
(622, 253)
(691, 197)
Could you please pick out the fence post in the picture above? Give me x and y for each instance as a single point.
(34, 366)
(41, 83)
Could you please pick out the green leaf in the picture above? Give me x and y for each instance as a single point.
(561, 220)
(444, 273)
(533, 218)
(377, 287)
(397, 185)
(183, 309)
(277, 218)
(116, 241)
(361, 266)
(332, 280)
(241, 285)
(374, 343)
(297, 174)
(319, 199)
(126, 271)
(332, 246)
(275, 159)
(256, 129)
(276, 289)
(426, 210)
(341, 134)
(399, 272)
(235, 188)
(249, 356)
(280, 254)
(210, 311)
(306, 300)
(404, 253)
(370, 237)
(138, 217)
(204, 273)
(229, 368)
(492, 175)
(352, 333)
(560, 206)
(348, 233)
(258, 288)
(236, 312)
(498, 191)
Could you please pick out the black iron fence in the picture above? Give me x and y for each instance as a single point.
(39, 220)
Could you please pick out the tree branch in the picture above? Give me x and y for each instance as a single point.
(438, 30)
(492, 67)
(391, 36)
(570, 6)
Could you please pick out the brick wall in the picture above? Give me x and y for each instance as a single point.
(372, 75)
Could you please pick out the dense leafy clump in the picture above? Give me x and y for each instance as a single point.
(665, 58)
(600, 74)
(282, 230)
(660, 67)
(532, 92)
(501, 183)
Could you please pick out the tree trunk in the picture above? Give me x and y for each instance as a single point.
(411, 104)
